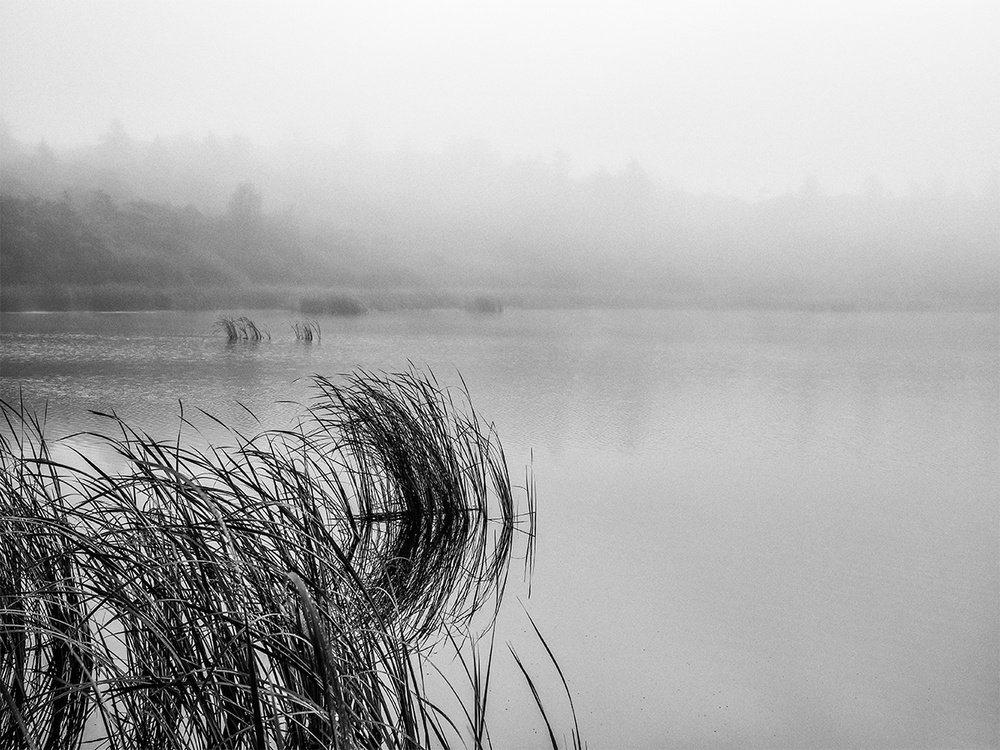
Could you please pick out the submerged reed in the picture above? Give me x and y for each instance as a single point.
(284, 593)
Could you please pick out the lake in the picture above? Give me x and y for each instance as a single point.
(769, 529)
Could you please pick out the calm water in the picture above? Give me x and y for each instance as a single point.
(756, 529)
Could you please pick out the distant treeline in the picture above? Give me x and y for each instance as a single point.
(183, 222)
(97, 242)
(88, 252)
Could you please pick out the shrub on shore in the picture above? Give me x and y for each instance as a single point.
(485, 306)
(330, 305)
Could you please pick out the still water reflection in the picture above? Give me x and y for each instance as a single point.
(768, 529)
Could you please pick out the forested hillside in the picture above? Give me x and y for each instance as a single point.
(188, 222)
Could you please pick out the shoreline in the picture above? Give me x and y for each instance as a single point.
(352, 301)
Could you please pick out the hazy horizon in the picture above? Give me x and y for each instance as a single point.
(724, 98)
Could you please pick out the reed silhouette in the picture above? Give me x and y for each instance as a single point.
(307, 331)
(284, 592)
(240, 329)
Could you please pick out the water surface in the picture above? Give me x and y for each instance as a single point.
(756, 529)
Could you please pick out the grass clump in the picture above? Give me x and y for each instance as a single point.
(284, 592)
(307, 331)
(240, 329)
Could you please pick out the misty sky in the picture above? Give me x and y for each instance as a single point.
(730, 97)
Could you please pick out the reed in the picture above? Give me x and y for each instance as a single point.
(284, 592)
(307, 331)
(240, 329)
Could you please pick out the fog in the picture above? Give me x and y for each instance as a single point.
(726, 275)
(712, 154)
(731, 98)
(437, 228)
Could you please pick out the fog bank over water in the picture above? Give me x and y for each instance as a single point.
(181, 213)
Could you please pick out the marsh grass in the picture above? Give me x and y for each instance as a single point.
(285, 592)
(307, 331)
(240, 329)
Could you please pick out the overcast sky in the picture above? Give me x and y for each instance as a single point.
(731, 97)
